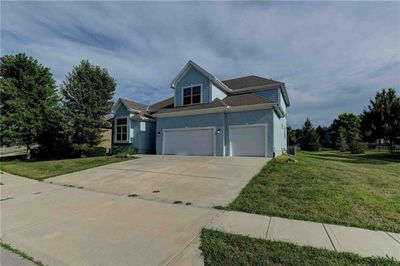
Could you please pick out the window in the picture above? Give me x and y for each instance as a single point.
(122, 129)
(192, 95)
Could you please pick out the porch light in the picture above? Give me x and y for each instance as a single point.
(218, 131)
(158, 133)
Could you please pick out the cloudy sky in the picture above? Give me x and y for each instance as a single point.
(333, 57)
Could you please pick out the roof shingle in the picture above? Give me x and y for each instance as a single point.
(134, 105)
(250, 82)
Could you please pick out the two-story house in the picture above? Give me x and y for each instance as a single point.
(238, 117)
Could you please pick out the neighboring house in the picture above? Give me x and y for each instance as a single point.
(238, 117)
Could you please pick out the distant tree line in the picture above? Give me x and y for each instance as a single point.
(379, 122)
(62, 122)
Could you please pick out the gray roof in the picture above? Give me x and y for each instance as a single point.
(245, 99)
(169, 102)
(232, 100)
(250, 82)
(134, 105)
(236, 99)
(171, 109)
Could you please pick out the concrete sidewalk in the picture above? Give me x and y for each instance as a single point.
(333, 237)
(69, 226)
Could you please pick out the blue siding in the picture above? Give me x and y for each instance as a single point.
(251, 117)
(271, 94)
(147, 138)
(142, 141)
(206, 120)
(193, 77)
(282, 103)
(121, 111)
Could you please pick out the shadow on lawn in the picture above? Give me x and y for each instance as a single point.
(356, 159)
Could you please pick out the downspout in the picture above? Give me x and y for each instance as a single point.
(225, 134)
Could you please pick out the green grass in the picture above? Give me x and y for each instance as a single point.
(330, 187)
(20, 253)
(227, 249)
(44, 169)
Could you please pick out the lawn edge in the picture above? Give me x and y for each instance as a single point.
(20, 253)
(391, 259)
(43, 178)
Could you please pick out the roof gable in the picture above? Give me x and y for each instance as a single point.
(130, 106)
(191, 64)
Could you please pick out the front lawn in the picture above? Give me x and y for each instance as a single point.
(227, 249)
(45, 169)
(330, 187)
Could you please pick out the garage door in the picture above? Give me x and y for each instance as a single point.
(248, 140)
(189, 141)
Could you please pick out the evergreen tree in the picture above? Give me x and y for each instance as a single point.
(309, 140)
(342, 140)
(381, 119)
(87, 98)
(28, 97)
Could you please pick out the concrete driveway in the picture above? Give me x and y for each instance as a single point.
(200, 181)
(68, 226)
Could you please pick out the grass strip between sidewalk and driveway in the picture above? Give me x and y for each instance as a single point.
(330, 187)
(44, 169)
(20, 253)
(221, 248)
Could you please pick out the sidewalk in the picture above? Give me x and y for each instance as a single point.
(333, 237)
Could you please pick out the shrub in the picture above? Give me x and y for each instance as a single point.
(96, 151)
(85, 151)
(122, 155)
(357, 147)
(122, 149)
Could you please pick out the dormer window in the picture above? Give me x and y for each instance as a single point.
(192, 95)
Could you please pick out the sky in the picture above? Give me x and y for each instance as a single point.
(332, 56)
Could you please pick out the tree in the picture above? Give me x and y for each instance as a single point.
(381, 119)
(291, 133)
(309, 140)
(341, 140)
(324, 134)
(28, 96)
(350, 124)
(87, 98)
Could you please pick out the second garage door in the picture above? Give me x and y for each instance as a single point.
(189, 141)
(248, 140)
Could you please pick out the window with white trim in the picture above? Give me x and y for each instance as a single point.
(121, 129)
(192, 95)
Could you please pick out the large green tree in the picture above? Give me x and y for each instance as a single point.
(87, 99)
(381, 119)
(346, 126)
(28, 97)
(309, 139)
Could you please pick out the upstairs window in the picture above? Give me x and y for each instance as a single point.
(122, 129)
(192, 95)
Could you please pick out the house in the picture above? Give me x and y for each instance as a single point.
(244, 116)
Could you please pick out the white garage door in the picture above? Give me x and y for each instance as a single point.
(248, 140)
(189, 141)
